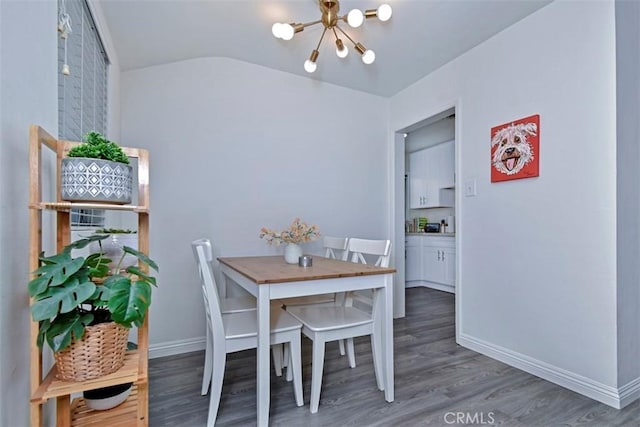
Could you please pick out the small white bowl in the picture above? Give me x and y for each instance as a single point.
(109, 402)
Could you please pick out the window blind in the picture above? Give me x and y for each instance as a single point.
(82, 95)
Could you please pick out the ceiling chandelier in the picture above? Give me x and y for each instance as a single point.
(330, 19)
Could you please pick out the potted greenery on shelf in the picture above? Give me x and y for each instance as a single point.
(97, 170)
(84, 323)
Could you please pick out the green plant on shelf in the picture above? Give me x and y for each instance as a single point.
(66, 300)
(97, 146)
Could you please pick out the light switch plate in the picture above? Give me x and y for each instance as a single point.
(470, 188)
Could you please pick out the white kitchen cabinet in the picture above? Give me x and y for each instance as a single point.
(420, 168)
(413, 255)
(431, 170)
(417, 192)
(439, 257)
(431, 262)
(432, 265)
(447, 164)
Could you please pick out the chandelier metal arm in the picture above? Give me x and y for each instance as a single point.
(321, 37)
(346, 35)
(308, 24)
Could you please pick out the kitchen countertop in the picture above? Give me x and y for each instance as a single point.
(432, 234)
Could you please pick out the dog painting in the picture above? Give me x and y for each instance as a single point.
(515, 149)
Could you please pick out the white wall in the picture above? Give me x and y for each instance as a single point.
(535, 290)
(29, 95)
(430, 135)
(628, 174)
(235, 147)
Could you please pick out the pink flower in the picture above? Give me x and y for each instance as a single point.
(298, 232)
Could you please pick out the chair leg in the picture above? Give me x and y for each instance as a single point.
(219, 361)
(295, 368)
(286, 360)
(317, 363)
(285, 356)
(376, 348)
(276, 350)
(208, 356)
(351, 354)
(341, 344)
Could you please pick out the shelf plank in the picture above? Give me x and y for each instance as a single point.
(52, 387)
(67, 206)
(124, 414)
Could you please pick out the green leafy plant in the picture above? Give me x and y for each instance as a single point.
(66, 298)
(97, 146)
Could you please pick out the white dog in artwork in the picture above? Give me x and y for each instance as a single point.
(513, 149)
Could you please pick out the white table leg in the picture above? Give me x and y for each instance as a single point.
(263, 355)
(222, 286)
(387, 337)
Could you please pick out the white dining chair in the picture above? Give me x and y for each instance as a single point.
(232, 305)
(324, 323)
(335, 248)
(237, 331)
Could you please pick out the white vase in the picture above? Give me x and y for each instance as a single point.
(112, 248)
(292, 252)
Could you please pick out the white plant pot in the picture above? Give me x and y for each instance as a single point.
(95, 180)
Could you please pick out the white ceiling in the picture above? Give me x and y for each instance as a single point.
(421, 36)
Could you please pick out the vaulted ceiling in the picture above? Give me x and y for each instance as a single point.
(420, 37)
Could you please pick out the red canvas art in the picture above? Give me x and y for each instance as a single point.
(515, 149)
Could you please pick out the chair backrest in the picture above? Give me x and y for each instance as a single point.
(204, 255)
(333, 244)
(380, 250)
(361, 247)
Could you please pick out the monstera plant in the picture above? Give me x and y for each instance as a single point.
(70, 294)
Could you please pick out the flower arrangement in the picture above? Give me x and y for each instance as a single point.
(298, 232)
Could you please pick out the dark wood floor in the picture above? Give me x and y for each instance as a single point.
(436, 380)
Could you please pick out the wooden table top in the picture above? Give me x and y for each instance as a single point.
(274, 269)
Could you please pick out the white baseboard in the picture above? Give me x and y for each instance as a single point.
(612, 396)
(176, 347)
(629, 392)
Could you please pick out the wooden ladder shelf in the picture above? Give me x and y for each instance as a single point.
(72, 412)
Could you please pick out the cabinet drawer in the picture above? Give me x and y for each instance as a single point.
(439, 241)
(413, 240)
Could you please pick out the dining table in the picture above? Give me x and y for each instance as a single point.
(271, 278)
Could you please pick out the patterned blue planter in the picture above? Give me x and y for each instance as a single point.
(95, 180)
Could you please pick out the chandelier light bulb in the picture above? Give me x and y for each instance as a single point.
(368, 56)
(341, 49)
(276, 30)
(355, 18)
(286, 31)
(310, 66)
(384, 12)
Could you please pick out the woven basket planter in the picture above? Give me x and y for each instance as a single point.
(100, 352)
(95, 180)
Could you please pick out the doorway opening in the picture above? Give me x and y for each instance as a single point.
(425, 193)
